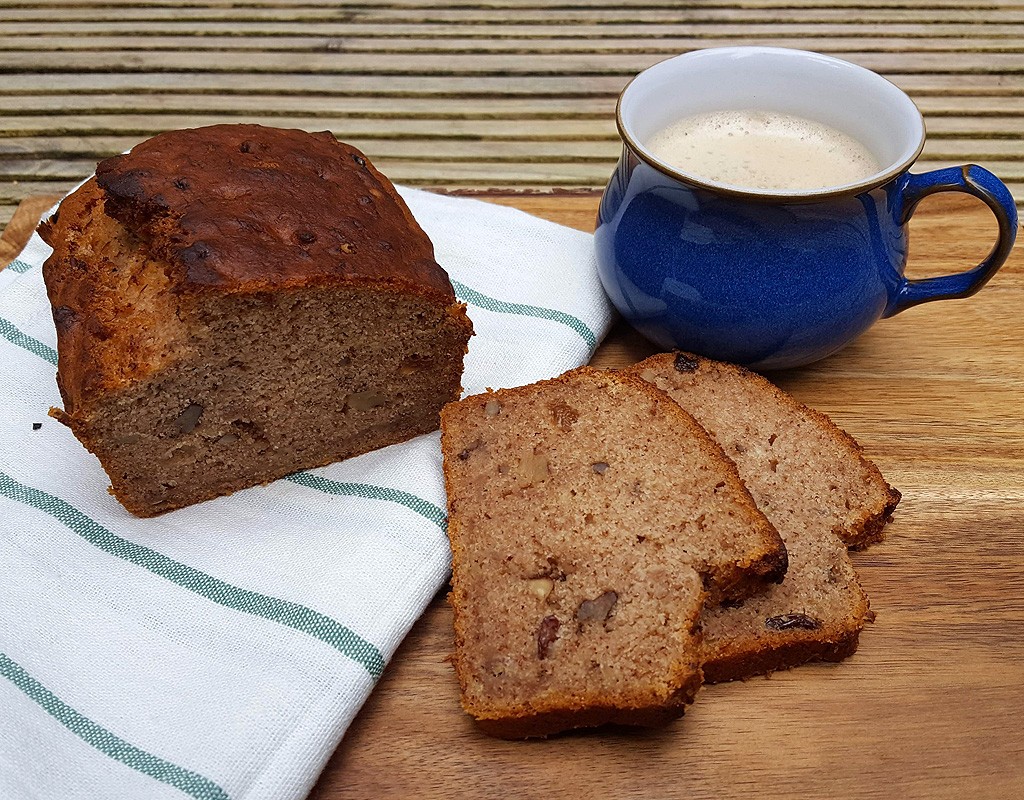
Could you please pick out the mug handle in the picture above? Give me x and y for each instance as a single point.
(973, 180)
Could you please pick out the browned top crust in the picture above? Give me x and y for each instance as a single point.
(244, 208)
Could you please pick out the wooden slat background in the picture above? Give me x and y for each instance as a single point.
(507, 93)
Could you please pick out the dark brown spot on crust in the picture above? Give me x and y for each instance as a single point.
(196, 252)
(199, 266)
(64, 317)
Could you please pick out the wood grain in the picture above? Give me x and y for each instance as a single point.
(513, 93)
(929, 706)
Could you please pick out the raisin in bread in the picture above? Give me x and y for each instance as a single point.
(236, 303)
(589, 517)
(812, 481)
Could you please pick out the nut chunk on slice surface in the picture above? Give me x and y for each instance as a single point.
(812, 481)
(235, 303)
(586, 533)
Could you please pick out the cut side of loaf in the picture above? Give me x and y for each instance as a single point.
(236, 303)
(813, 482)
(589, 518)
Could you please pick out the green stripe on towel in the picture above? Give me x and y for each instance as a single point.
(474, 297)
(291, 615)
(418, 504)
(23, 340)
(18, 266)
(191, 783)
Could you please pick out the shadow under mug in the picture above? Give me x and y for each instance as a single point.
(774, 279)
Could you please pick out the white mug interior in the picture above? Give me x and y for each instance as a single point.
(839, 94)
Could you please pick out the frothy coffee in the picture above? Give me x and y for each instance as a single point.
(763, 150)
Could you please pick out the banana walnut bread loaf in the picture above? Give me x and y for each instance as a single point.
(590, 517)
(235, 303)
(812, 481)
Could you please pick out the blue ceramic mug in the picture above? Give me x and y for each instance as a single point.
(774, 279)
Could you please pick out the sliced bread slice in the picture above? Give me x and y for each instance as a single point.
(812, 481)
(586, 533)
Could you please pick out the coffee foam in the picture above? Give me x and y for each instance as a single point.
(763, 150)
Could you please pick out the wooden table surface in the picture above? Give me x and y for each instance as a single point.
(460, 93)
(930, 705)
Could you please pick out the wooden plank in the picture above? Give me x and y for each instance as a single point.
(636, 30)
(566, 130)
(317, 42)
(495, 108)
(619, 13)
(625, 64)
(510, 6)
(567, 85)
(485, 107)
(503, 6)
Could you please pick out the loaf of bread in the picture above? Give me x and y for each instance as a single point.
(813, 482)
(235, 303)
(589, 518)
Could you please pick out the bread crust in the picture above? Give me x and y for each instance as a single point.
(245, 208)
(532, 723)
(735, 666)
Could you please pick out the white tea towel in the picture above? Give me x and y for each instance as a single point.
(221, 651)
